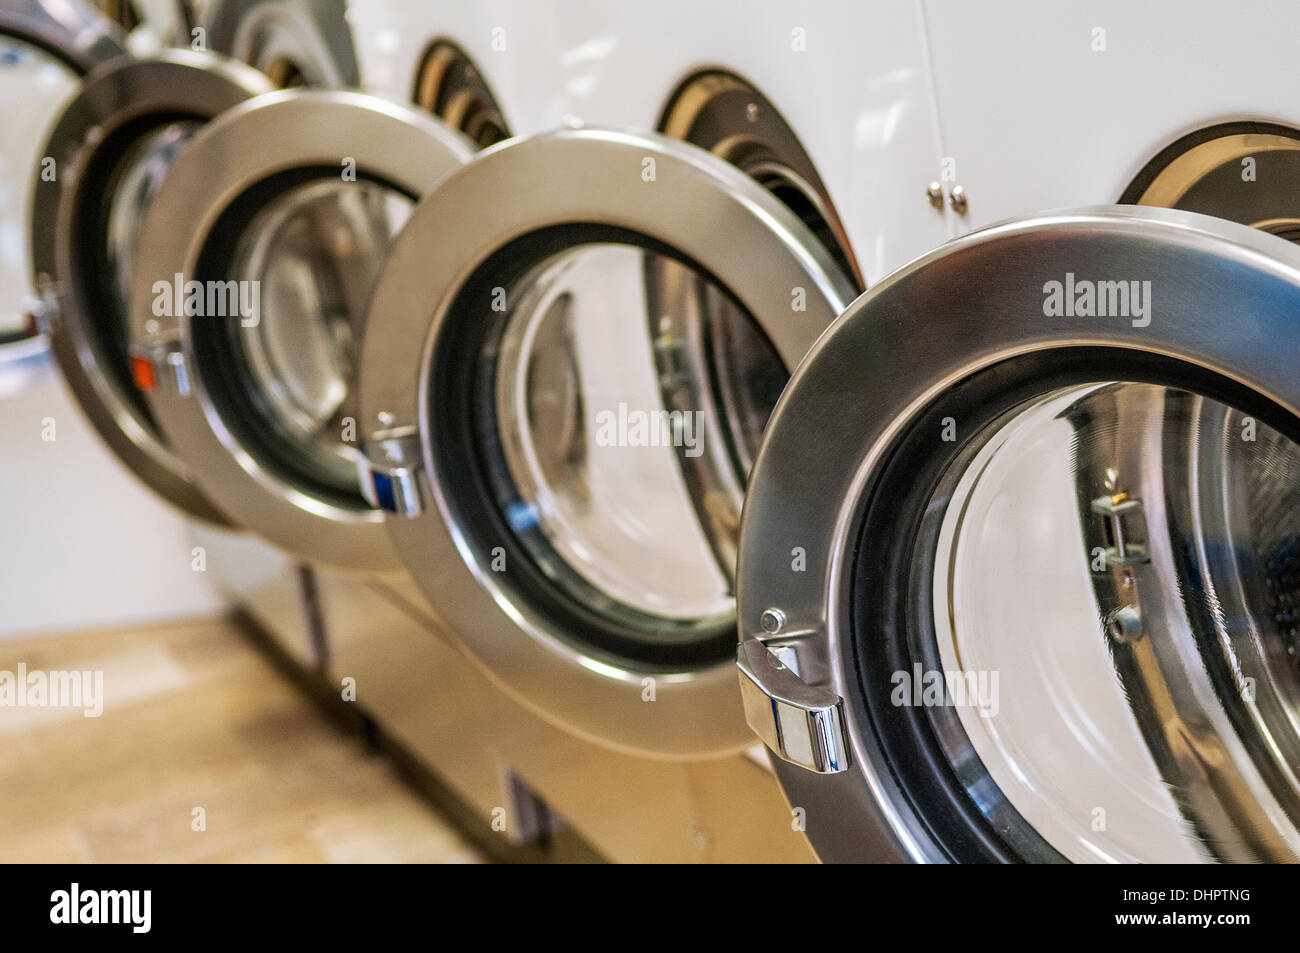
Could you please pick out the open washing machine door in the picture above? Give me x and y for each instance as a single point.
(295, 42)
(150, 25)
(253, 270)
(1244, 172)
(45, 50)
(1019, 563)
(106, 157)
(71, 32)
(560, 407)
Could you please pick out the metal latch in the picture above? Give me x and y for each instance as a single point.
(802, 724)
(160, 366)
(43, 306)
(388, 471)
(1128, 529)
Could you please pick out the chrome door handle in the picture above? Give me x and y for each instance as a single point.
(391, 483)
(802, 724)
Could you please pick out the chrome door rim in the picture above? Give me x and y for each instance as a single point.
(514, 189)
(861, 812)
(314, 34)
(277, 132)
(183, 82)
(80, 41)
(81, 38)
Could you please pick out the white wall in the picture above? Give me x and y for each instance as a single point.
(83, 544)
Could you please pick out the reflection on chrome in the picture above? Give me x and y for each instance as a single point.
(1127, 556)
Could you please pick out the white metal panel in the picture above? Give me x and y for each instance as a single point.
(1037, 115)
(849, 77)
(83, 544)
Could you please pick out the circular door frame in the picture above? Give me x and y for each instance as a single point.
(313, 34)
(82, 40)
(276, 133)
(699, 206)
(1201, 269)
(174, 83)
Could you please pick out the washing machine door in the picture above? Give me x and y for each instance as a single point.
(254, 266)
(295, 42)
(560, 402)
(71, 32)
(104, 160)
(44, 53)
(150, 25)
(1043, 485)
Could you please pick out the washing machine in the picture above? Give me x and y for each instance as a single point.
(300, 194)
(641, 690)
(257, 401)
(296, 43)
(1118, 465)
(109, 151)
(606, 702)
(589, 703)
(1047, 609)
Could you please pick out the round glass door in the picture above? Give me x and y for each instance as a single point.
(1049, 611)
(249, 317)
(107, 155)
(309, 257)
(1148, 669)
(620, 403)
(42, 60)
(567, 451)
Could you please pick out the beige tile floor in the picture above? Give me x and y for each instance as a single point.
(193, 718)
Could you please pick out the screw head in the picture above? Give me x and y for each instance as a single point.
(957, 199)
(1124, 625)
(934, 192)
(772, 620)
